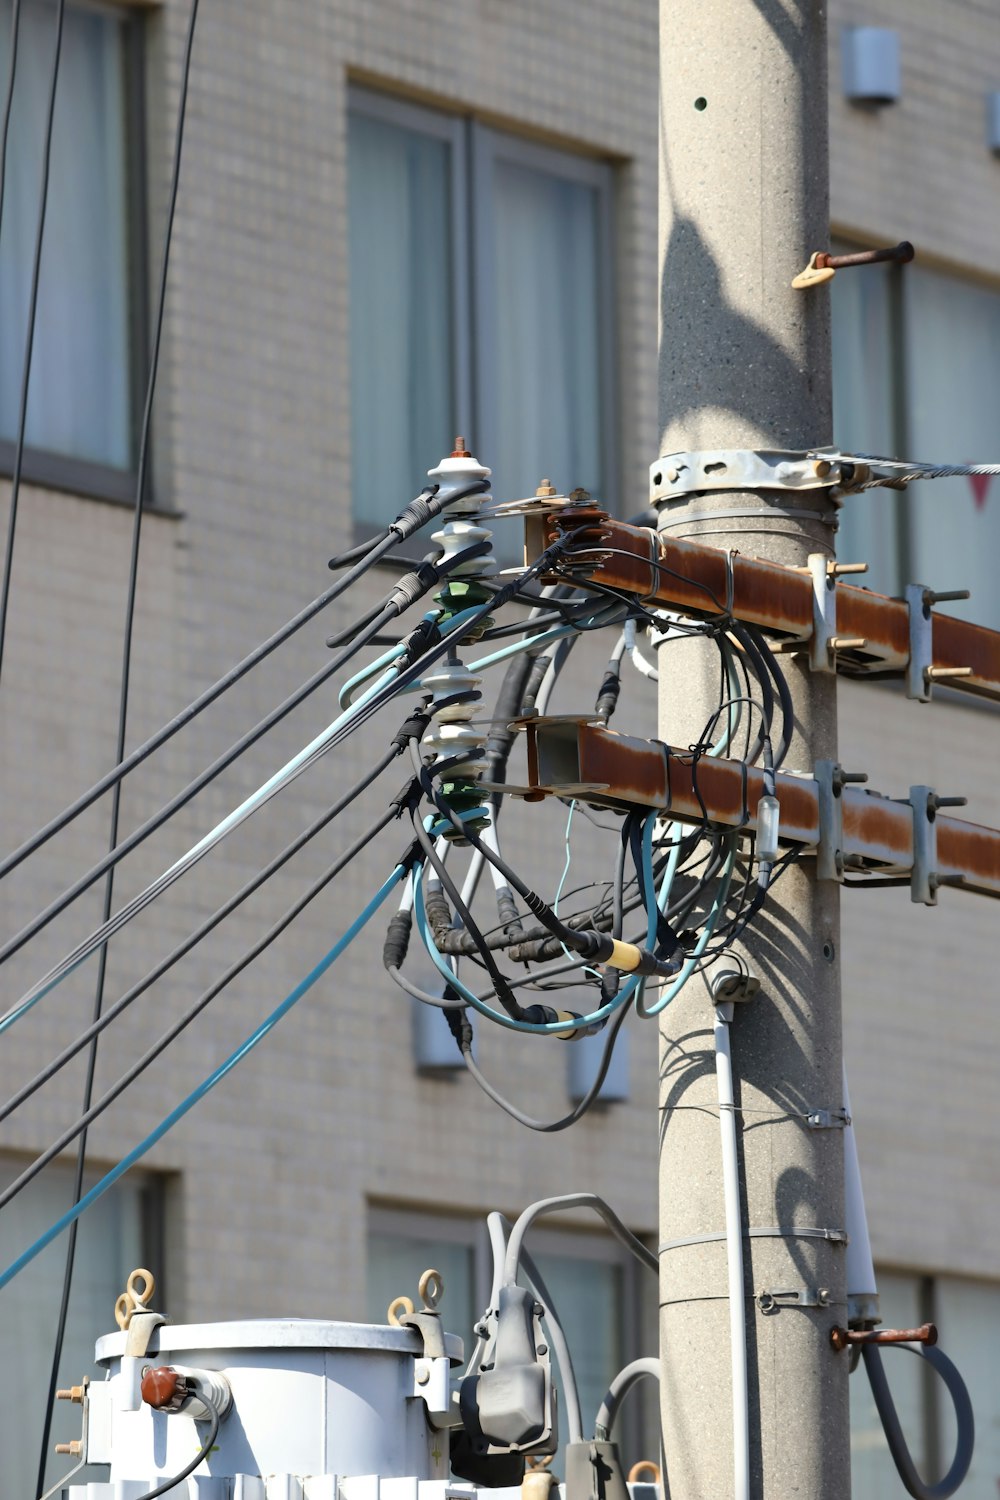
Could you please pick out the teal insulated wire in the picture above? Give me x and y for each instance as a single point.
(317, 747)
(346, 695)
(540, 1028)
(195, 1097)
(691, 962)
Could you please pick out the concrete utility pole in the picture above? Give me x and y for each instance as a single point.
(745, 363)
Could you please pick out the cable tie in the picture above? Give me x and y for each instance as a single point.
(412, 728)
(422, 638)
(419, 511)
(407, 799)
(412, 586)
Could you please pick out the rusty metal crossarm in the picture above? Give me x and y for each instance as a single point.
(705, 581)
(574, 757)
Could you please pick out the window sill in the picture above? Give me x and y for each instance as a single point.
(73, 476)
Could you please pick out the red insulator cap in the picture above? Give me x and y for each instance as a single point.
(160, 1388)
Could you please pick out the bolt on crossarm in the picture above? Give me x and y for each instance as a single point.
(745, 364)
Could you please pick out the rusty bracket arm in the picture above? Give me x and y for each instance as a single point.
(574, 757)
(873, 632)
(843, 1338)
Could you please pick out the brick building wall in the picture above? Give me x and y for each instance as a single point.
(271, 1175)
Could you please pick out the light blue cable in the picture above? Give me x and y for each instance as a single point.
(555, 633)
(293, 768)
(204, 1088)
(300, 762)
(387, 657)
(475, 666)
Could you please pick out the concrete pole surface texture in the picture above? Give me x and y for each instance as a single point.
(745, 363)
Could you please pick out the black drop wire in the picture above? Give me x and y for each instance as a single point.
(549, 1127)
(133, 580)
(502, 989)
(142, 752)
(29, 343)
(103, 1020)
(159, 1046)
(228, 756)
(200, 1456)
(15, 31)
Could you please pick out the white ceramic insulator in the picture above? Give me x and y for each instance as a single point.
(455, 473)
(451, 732)
(444, 682)
(455, 536)
(449, 740)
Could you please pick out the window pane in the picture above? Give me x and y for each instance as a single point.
(109, 1246)
(873, 1473)
(968, 1317)
(863, 377)
(396, 1263)
(953, 377)
(588, 1299)
(401, 325)
(548, 418)
(79, 396)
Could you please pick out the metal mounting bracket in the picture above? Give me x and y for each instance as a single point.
(822, 653)
(678, 474)
(828, 1119)
(802, 1296)
(923, 873)
(830, 848)
(918, 682)
(925, 877)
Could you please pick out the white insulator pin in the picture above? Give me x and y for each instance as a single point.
(457, 470)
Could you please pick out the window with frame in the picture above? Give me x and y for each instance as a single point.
(90, 326)
(966, 1313)
(481, 303)
(120, 1231)
(606, 1302)
(916, 369)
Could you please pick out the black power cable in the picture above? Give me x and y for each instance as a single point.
(200, 1456)
(407, 591)
(101, 1022)
(15, 31)
(29, 342)
(159, 1046)
(548, 1127)
(964, 1420)
(125, 677)
(209, 696)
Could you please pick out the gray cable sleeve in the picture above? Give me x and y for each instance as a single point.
(964, 1420)
(619, 1389)
(561, 1205)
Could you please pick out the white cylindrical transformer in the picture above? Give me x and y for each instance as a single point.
(309, 1398)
